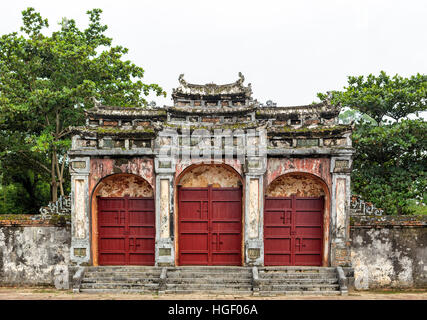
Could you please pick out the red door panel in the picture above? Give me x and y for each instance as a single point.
(126, 231)
(210, 226)
(293, 231)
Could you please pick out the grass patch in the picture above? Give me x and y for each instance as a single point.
(45, 291)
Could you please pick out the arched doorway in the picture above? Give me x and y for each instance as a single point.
(209, 200)
(123, 221)
(295, 211)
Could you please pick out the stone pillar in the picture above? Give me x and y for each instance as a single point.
(255, 167)
(80, 232)
(164, 165)
(254, 206)
(165, 248)
(340, 210)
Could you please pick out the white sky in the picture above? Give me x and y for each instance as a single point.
(288, 50)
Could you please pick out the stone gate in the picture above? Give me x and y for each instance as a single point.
(261, 182)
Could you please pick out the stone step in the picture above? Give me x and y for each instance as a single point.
(208, 280)
(139, 291)
(209, 292)
(281, 275)
(120, 279)
(120, 285)
(123, 269)
(298, 281)
(208, 286)
(192, 274)
(298, 269)
(299, 293)
(305, 287)
(122, 274)
(307, 272)
(211, 268)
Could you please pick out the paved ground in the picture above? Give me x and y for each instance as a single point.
(52, 294)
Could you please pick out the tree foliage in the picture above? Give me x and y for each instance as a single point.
(47, 81)
(380, 96)
(390, 164)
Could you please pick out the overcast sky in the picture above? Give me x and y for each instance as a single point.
(288, 50)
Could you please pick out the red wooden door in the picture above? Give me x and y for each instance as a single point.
(293, 231)
(126, 231)
(210, 226)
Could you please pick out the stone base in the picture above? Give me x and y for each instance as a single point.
(349, 273)
(340, 255)
(165, 253)
(254, 253)
(61, 277)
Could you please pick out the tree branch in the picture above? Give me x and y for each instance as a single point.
(36, 161)
(63, 133)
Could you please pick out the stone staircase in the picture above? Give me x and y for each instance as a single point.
(297, 281)
(125, 279)
(210, 280)
(263, 281)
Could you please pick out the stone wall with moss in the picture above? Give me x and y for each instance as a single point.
(34, 252)
(389, 251)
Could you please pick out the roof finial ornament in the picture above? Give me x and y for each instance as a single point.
(97, 103)
(181, 80)
(241, 78)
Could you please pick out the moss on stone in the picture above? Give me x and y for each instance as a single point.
(319, 131)
(15, 217)
(57, 219)
(226, 126)
(119, 130)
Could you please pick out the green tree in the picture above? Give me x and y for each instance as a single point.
(47, 81)
(390, 164)
(24, 186)
(380, 96)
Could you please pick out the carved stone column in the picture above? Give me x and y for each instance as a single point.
(340, 210)
(164, 165)
(80, 231)
(255, 167)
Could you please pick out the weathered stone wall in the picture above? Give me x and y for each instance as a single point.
(295, 184)
(34, 255)
(120, 185)
(389, 252)
(319, 167)
(103, 167)
(203, 175)
(181, 165)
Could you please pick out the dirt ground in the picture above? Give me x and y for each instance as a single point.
(8, 293)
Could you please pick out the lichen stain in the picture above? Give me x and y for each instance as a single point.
(378, 263)
(204, 175)
(295, 184)
(125, 185)
(30, 255)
